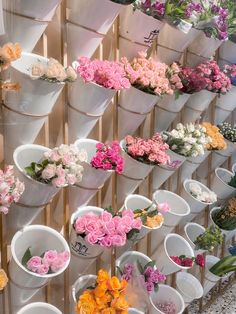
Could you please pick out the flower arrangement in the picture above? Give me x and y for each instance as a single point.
(152, 77)
(185, 261)
(196, 191)
(210, 239)
(52, 72)
(108, 229)
(187, 140)
(9, 53)
(230, 71)
(49, 262)
(60, 166)
(153, 8)
(148, 275)
(11, 189)
(109, 74)
(228, 131)
(3, 279)
(107, 296)
(166, 307)
(108, 157)
(224, 266)
(192, 80)
(151, 151)
(217, 139)
(225, 217)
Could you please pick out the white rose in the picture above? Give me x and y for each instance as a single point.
(187, 147)
(190, 127)
(49, 172)
(37, 71)
(195, 188)
(71, 74)
(83, 156)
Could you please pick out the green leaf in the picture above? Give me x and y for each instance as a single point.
(132, 234)
(144, 219)
(45, 163)
(151, 264)
(29, 170)
(152, 213)
(138, 211)
(27, 256)
(156, 287)
(110, 210)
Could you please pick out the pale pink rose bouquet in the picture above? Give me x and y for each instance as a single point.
(49, 262)
(151, 151)
(11, 189)
(53, 71)
(151, 76)
(60, 167)
(108, 229)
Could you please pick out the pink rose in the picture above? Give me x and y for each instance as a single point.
(105, 216)
(59, 182)
(163, 208)
(128, 212)
(91, 238)
(80, 224)
(64, 255)
(42, 269)
(106, 241)
(34, 263)
(4, 209)
(91, 226)
(57, 265)
(109, 227)
(49, 257)
(137, 224)
(118, 240)
(49, 172)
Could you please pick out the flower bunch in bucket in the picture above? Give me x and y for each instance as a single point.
(153, 8)
(52, 71)
(107, 295)
(228, 131)
(225, 216)
(11, 189)
(3, 279)
(210, 239)
(48, 262)
(60, 166)
(201, 195)
(224, 266)
(151, 151)
(230, 71)
(187, 140)
(152, 77)
(232, 181)
(192, 80)
(217, 139)
(186, 261)
(108, 229)
(108, 157)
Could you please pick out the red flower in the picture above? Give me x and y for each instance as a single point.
(200, 260)
(176, 259)
(187, 262)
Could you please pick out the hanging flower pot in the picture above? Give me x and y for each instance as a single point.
(172, 42)
(222, 224)
(191, 232)
(225, 105)
(81, 284)
(166, 295)
(134, 107)
(24, 283)
(196, 104)
(132, 257)
(28, 21)
(227, 51)
(189, 287)
(39, 308)
(220, 184)
(139, 38)
(174, 245)
(167, 110)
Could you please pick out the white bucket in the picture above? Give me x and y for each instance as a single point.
(228, 233)
(132, 257)
(220, 184)
(227, 51)
(191, 231)
(81, 285)
(234, 168)
(225, 105)
(39, 308)
(210, 279)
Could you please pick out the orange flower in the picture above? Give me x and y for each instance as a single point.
(102, 276)
(155, 221)
(218, 141)
(100, 290)
(86, 304)
(109, 310)
(8, 86)
(3, 279)
(120, 304)
(12, 51)
(114, 283)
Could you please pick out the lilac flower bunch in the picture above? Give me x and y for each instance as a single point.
(153, 8)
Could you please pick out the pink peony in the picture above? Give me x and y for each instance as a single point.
(34, 263)
(43, 269)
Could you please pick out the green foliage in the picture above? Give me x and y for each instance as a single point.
(232, 182)
(224, 266)
(211, 238)
(27, 256)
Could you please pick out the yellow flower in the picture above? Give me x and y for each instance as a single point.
(3, 279)
(102, 276)
(114, 283)
(108, 310)
(12, 51)
(8, 86)
(86, 303)
(218, 141)
(153, 222)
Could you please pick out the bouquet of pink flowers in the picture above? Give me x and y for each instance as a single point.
(151, 76)
(185, 261)
(109, 74)
(108, 157)
(11, 189)
(61, 166)
(192, 80)
(47, 263)
(107, 229)
(151, 151)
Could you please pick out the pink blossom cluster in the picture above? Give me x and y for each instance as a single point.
(185, 261)
(108, 157)
(153, 150)
(50, 262)
(11, 189)
(109, 74)
(230, 71)
(105, 229)
(193, 81)
(151, 76)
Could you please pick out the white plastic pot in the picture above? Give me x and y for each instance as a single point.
(191, 231)
(220, 184)
(225, 105)
(196, 104)
(174, 245)
(167, 110)
(82, 284)
(39, 308)
(234, 168)
(189, 287)
(88, 101)
(162, 173)
(131, 257)
(227, 51)
(134, 107)
(166, 294)
(36, 194)
(79, 246)
(173, 42)
(25, 284)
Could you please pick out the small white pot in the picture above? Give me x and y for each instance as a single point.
(39, 308)
(191, 231)
(220, 184)
(225, 105)
(173, 42)
(25, 284)
(227, 51)
(132, 257)
(189, 287)
(134, 107)
(35, 194)
(135, 201)
(166, 294)
(174, 245)
(196, 104)
(162, 173)
(228, 233)
(88, 101)
(167, 109)
(79, 246)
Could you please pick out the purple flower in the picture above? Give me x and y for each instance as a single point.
(149, 286)
(157, 277)
(148, 271)
(126, 277)
(128, 269)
